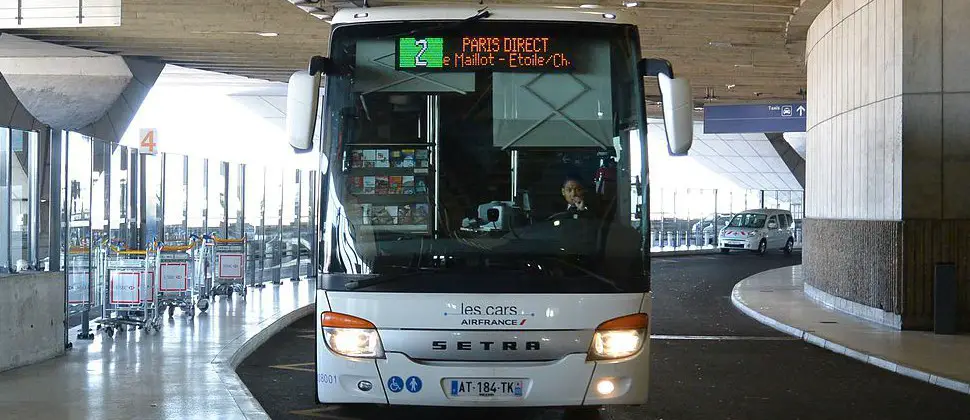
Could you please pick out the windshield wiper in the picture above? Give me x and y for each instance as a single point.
(387, 278)
(481, 14)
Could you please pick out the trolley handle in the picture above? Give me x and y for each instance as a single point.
(176, 248)
(133, 252)
(228, 241)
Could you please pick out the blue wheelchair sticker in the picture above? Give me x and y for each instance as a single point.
(414, 384)
(395, 384)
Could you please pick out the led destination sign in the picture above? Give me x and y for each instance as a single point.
(470, 53)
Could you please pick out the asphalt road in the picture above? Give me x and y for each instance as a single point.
(710, 361)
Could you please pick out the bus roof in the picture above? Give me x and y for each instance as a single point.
(459, 12)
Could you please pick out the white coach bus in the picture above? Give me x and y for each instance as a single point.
(483, 182)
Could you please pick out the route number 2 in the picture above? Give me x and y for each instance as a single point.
(149, 141)
(418, 61)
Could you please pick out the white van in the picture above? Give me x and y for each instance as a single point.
(758, 230)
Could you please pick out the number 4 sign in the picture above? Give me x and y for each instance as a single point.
(148, 144)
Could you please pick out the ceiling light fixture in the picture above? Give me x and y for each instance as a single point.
(631, 4)
(589, 6)
(263, 34)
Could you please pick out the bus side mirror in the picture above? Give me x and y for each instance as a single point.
(678, 109)
(302, 101)
(678, 106)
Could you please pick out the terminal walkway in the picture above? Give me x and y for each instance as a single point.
(184, 371)
(777, 298)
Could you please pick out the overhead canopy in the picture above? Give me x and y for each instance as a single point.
(748, 49)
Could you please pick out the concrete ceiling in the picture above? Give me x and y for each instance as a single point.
(749, 160)
(730, 49)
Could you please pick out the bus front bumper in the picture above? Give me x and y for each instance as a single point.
(398, 380)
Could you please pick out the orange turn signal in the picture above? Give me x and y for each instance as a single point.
(627, 322)
(339, 320)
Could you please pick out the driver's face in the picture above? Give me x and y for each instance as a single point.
(572, 192)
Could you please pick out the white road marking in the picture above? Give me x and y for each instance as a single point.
(720, 338)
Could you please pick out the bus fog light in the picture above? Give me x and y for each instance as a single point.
(365, 386)
(605, 387)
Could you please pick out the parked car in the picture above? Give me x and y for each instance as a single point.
(709, 227)
(759, 230)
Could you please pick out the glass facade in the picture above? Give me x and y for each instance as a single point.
(104, 193)
(691, 218)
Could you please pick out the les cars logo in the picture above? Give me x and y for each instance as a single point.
(492, 315)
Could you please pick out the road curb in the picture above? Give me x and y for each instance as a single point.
(813, 339)
(226, 362)
(685, 253)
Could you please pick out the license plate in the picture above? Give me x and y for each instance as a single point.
(485, 388)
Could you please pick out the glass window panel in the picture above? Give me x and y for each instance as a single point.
(234, 204)
(153, 197)
(195, 213)
(656, 215)
(120, 212)
(100, 179)
(175, 196)
(290, 224)
(771, 200)
(100, 207)
(754, 199)
(42, 151)
(19, 201)
(306, 217)
(784, 200)
(217, 198)
(272, 217)
(255, 198)
(4, 200)
(78, 209)
(64, 202)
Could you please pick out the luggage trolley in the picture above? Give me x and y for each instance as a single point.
(78, 278)
(227, 264)
(130, 293)
(175, 269)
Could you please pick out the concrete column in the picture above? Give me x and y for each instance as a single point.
(889, 153)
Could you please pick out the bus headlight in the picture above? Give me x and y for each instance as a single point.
(619, 337)
(351, 336)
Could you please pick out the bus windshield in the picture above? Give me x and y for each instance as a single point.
(484, 157)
